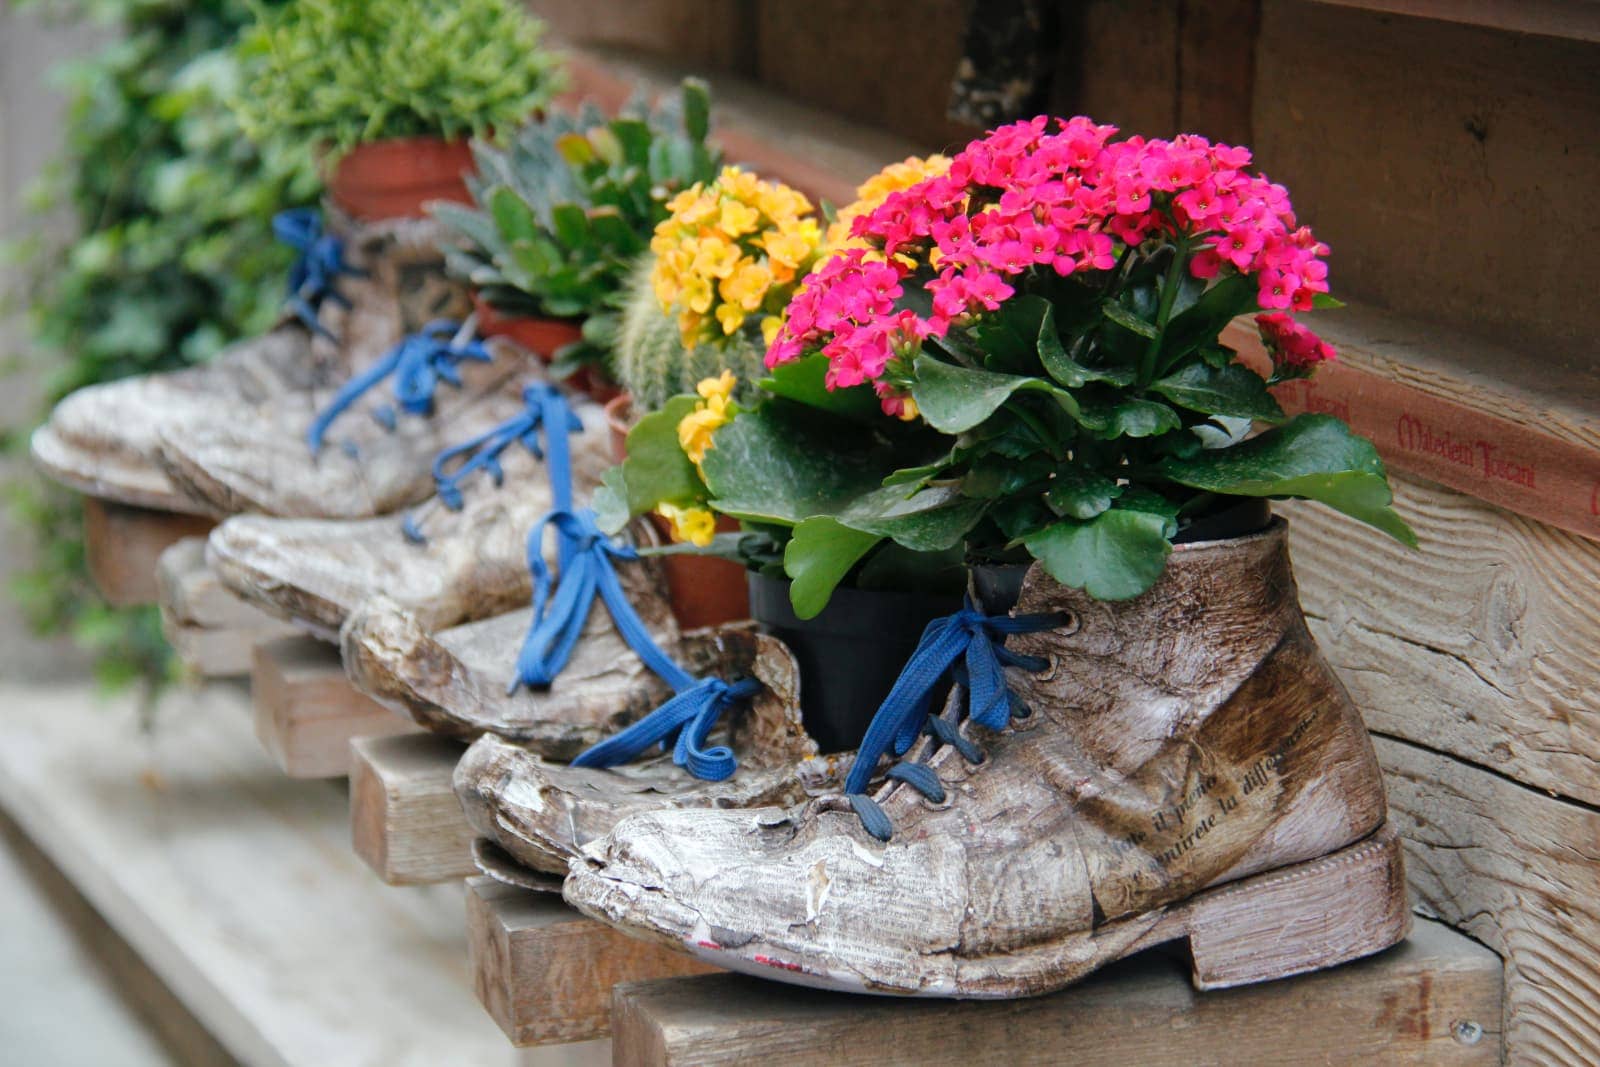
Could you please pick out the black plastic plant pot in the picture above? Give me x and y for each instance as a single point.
(996, 586)
(850, 654)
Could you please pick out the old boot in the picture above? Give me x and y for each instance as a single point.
(543, 812)
(344, 309)
(457, 557)
(1183, 765)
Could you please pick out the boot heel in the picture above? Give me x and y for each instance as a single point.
(1312, 915)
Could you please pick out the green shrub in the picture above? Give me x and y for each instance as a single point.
(337, 73)
(171, 259)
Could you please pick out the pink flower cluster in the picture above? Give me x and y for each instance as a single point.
(1028, 198)
(1292, 345)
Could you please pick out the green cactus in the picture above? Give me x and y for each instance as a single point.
(650, 360)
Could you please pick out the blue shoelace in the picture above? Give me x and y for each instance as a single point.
(315, 272)
(419, 364)
(586, 558)
(544, 408)
(965, 642)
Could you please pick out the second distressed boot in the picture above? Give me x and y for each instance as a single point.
(1107, 777)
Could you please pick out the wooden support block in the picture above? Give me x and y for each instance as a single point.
(405, 820)
(212, 630)
(544, 972)
(307, 712)
(123, 544)
(1434, 999)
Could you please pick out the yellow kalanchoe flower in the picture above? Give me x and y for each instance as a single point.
(876, 189)
(694, 525)
(732, 250)
(709, 415)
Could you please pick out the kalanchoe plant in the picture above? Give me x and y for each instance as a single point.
(1054, 304)
(339, 74)
(563, 212)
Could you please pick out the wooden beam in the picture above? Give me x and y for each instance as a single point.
(405, 820)
(212, 630)
(1434, 999)
(544, 972)
(307, 712)
(123, 544)
(1577, 19)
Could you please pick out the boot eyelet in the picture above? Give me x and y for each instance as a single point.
(941, 805)
(1070, 624)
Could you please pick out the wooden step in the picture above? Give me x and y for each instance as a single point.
(124, 543)
(306, 710)
(1434, 999)
(405, 821)
(544, 972)
(237, 887)
(212, 630)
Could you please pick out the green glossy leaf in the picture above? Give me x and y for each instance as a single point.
(610, 501)
(1128, 320)
(1234, 390)
(1064, 369)
(1326, 302)
(1204, 322)
(955, 399)
(820, 553)
(1116, 555)
(657, 470)
(571, 223)
(804, 380)
(1114, 415)
(696, 109)
(1081, 494)
(1314, 457)
(512, 216)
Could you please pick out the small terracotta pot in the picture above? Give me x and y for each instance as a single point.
(539, 335)
(704, 590)
(394, 179)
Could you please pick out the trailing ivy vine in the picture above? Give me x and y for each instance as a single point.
(171, 258)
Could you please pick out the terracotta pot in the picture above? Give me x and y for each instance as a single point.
(394, 179)
(704, 590)
(619, 420)
(539, 335)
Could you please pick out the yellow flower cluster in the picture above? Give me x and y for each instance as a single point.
(876, 189)
(731, 250)
(709, 415)
(694, 525)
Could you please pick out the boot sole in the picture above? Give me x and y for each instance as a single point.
(1292, 920)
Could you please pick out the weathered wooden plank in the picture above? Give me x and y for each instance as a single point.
(1482, 643)
(1577, 19)
(1433, 999)
(1429, 206)
(307, 712)
(1520, 871)
(212, 631)
(1440, 404)
(237, 887)
(124, 543)
(405, 820)
(544, 972)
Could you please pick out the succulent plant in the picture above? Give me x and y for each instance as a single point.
(563, 211)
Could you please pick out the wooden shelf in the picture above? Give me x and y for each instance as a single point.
(1575, 19)
(1434, 999)
(123, 544)
(307, 712)
(545, 973)
(237, 886)
(405, 820)
(212, 630)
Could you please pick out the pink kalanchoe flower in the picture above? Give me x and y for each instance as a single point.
(1290, 344)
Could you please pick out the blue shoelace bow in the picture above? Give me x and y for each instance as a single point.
(419, 364)
(315, 271)
(965, 642)
(585, 556)
(544, 408)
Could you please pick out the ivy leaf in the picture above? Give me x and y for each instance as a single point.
(821, 551)
(955, 399)
(1313, 457)
(1116, 555)
(1081, 494)
(1234, 390)
(804, 381)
